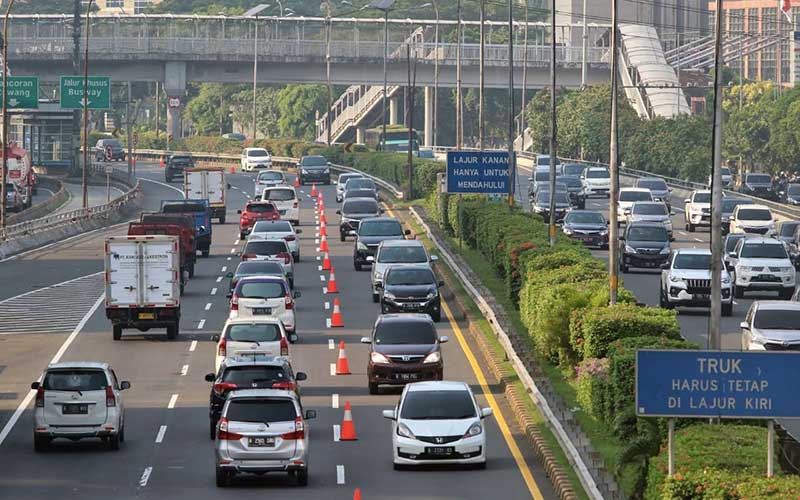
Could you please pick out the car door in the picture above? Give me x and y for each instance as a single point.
(75, 397)
(263, 428)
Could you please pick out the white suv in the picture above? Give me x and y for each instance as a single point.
(285, 200)
(596, 180)
(762, 264)
(752, 219)
(697, 210)
(258, 297)
(627, 197)
(77, 400)
(251, 336)
(686, 281)
(255, 158)
(771, 325)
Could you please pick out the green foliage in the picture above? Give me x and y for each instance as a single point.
(592, 379)
(208, 111)
(392, 167)
(297, 106)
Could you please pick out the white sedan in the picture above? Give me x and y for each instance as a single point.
(278, 230)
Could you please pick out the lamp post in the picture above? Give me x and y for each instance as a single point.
(4, 169)
(84, 185)
(254, 12)
(435, 72)
(481, 83)
(459, 138)
(385, 6)
(327, 6)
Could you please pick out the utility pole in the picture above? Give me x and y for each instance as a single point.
(436, 74)
(4, 169)
(715, 316)
(130, 125)
(512, 164)
(158, 108)
(328, 27)
(84, 180)
(584, 48)
(613, 233)
(523, 102)
(481, 115)
(459, 110)
(255, 75)
(410, 119)
(76, 68)
(553, 125)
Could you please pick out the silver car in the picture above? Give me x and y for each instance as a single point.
(396, 252)
(260, 431)
(277, 230)
(772, 325)
(651, 211)
(341, 181)
(76, 400)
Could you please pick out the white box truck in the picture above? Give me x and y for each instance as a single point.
(207, 183)
(143, 283)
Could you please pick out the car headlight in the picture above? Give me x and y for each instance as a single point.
(630, 249)
(664, 251)
(604, 232)
(474, 430)
(326, 171)
(303, 171)
(388, 295)
(726, 279)
(787, 270)
(403, 430)
(378, 275)
(433, 357)
(361, 246)
(758, 339)
(379, 358)
(674, 278)
(568, 232)
(431, 295)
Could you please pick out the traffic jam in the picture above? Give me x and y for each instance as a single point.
(286, 235)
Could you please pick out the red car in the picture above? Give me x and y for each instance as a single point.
(254, 212)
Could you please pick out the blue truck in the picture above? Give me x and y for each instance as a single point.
(200, 212)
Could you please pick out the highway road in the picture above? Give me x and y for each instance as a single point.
(167, 453)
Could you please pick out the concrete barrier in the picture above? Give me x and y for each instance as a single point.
(60, 196)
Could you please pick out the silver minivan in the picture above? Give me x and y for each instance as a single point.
(260, 431)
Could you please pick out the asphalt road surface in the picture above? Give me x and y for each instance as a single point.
(51, 308)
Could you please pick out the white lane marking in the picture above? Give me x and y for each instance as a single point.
(698, 240)
(201, 324)
(327, 305)
(334, 400)
(327, 322)
(145, 477)
(316, 235)
(193, 346)
(318, 257)
(224, 268)
(233, 250)
(316, 241)
(682, 233)
(319, 268)
(184, 370)
(219, 278)
(317, 251)
(340, 474)
(333, 369)
(237, 241)
(679, 210)
(213, 291)
(322, 277)
(324, 290)
(331, 344)
(163, 184)
(228, 258)
(27, 400)
(172, 400)
(161, 432)
(337, 432)
(208, 306)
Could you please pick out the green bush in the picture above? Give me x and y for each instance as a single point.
(592, 379)
(392, 167)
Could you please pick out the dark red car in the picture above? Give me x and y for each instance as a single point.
(253, 212)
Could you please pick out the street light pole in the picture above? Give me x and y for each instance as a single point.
(436, 73)
(512, 165)
(715, 315)
(584, 50)
(328, 26)
(4, 169)
(523, 102)
(459, 138)
(553, 125)
(481, 116)
(613, 233)
(84, 184)
(255, 74)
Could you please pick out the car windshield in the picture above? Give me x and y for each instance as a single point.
(261, 290)
(635, 196)
(760, 214)
(314, 161)
(728, 204)
(360, 207)
(726, 172)
(543, 161)
(360, 193)
(702, 198)
(261, 410)
(75, 380)
(260, 208)
(255, 332)
(410, 277)
(359, 183)
(731, 241)
(758, 179)
(696, 261)
(775, 319)
(569, 181)
(652, 184)
(793, 189)
(405, 332)
(788, 228)
(649, 233)
(572, 169)
(585, 218)
(650, 209)
(272, 227)
(267, 247)
(172, 208)
(437, 405)
(248, 376)
(597, 174)
(279, 194)
(256, 267)
(181, 159)
(764, 251)
(346, 177)
(380, 228)
(544, 197)
(270, 176)
(402, 255)
(541, 176)
(257, 153)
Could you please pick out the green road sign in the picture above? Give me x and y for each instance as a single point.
(98, 95)
(22, 92)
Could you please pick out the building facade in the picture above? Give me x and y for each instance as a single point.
(110, 7)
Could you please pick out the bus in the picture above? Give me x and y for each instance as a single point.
(396, 139)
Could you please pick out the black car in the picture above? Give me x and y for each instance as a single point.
(587, 226)
(729, 203)
(254, 268)
(791, 194)
(573, 169)
(353, 211)
(574, 190)
(176, 164)
(251, 372)
(371, 233)
(360, 193)
(117, 152)
(759, 185)
(788, 233)
(411, 289)
(644, 244)
(541, 205)
(361, 184)
(314, 168)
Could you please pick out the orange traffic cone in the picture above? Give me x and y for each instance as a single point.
(313, 190)
(323, 229)
(336, 322)
(326, 262)
(322, 219)
(357, 494)
(297, 182)
(320, 200)
(161, 162)
(332, 288)
(348, 428)
(323, 245)
(233, 169)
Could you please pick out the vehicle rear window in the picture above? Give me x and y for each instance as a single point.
(360, 183)
(346, 177)
(774, 319)
(764, 251)
(360, 193)
(728, 204)
(279, 194)
(266, 247)
(314, 161)
(261, 410)
(254, 332)
(758, 179)
(260, 208)
(261, 290)
(248, 375)
(585, 218)
(573, 169)
(652, 184)
(401, 276)
(173, 208)
(75, 380)
(702, 198)
(761, 214)
(270, 176)
(597, 174)
(541, 176)
(380, 228)
(437, 405)
(568, 181)
(259, 267)
(405, 332)
(788, 228)
(272, 227)
(360, 207)
(635, 196)
(257, 153)
(650, 209)
(181, 159)
(402, 255)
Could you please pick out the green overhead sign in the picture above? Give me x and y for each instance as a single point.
(98, 95)
(22, 92)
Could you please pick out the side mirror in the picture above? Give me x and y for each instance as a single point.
(665, 265)
(443, 339)
(744, 325)
(440, 284)
(203, 228)
(382, 211)
(366, 340)
(687, 200)
(339, 212)
(210, 377)
(370, 258)
(229, 296)
(215, 338)
(229, 274)
(407, 232)
(729, 266)
(352, 233)
(239, 212)
(672, 214)
(124, 385)
(293, 337)
(434, 258)
(297, 295)
(35, 385)
(390, 414)
(378, 285)
(311, 414)
(486, 412)
(300, 376)
(298, 231)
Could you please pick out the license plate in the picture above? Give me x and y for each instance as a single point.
(702, 296)
(410, 307)
(147, 315)
(587, 239)
(262, 310)
(439, 450)
(261, 442)
(75, 409)
(406, 376)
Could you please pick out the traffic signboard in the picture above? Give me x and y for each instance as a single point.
(98, 92)
(724, 384)
(477, 172)
(22, 92)
(174, 102)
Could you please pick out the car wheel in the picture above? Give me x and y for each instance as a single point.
(206, 252)
(690, 227)
(341, 237)
(223, 478)
(738, 292)
(357, 265)
(375, 297)
(727, 309)
(296, 257)
(113, 442)
(122, 433)
(436, 316)
(212, 429)
(222, 220)
(172, 331)
(481, 466)
(302, 477)
(623, 267)
(117, 331)
(396, 466)
(373, 388)
(242, 235)
(786, 293)
(191, 269)
(40, 443)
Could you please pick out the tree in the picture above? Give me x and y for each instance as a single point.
(209, 111)
(297, 108)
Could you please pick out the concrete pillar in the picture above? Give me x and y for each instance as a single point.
(175, 87)
(428, 116)
(360, 131)
(394, 105)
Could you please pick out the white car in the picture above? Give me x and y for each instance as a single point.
(629, 196)
(771, 325)
(278, 230)
(268, 178)
(727, 178)
(341, 181)
(251, 336)
(286, 200)
(596, 181)
(274, 250)
(396, 253)
(651, 211)
(255, 158)
(686, 281)
(752, 219)
(257, 297)
(762, 264)
(697, 210)
(76, 400)
(438, 422)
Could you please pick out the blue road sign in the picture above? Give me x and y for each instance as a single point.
(483, 172)
(725, 384)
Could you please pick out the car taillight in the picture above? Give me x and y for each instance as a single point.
(285, 256)
(246, 216)
(222, 350)
(291, 237)
(299, 430)
(284, 347)
(223, 433)
(111, 400)
(287, 386)
(40, 397)
(289, 302)
(248, 256)
(223, 387)
(295, 205)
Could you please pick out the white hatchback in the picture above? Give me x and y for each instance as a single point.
(268, 178)
(438, 422)
(262, 297)
(278, 230)
(286, 200)
(243, 337)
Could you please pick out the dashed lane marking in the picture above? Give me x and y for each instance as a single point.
(145, 477)
(322, 277)
(324, 290)
(331, 344)
(161, 432)
(184, 370)
(208, 306)
(233, 250)
(214, 291)
(219, 278)
(229, 258)
(224, 268)
(337, 433)
(698, 240)
(327, 322)
(193, 346)
(340, 474)
(319, 268)
(327, 305)
(334, 400)
(201, 324)
(172, 400)
(333, 369)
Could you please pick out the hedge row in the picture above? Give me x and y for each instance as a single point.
(393, 167)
